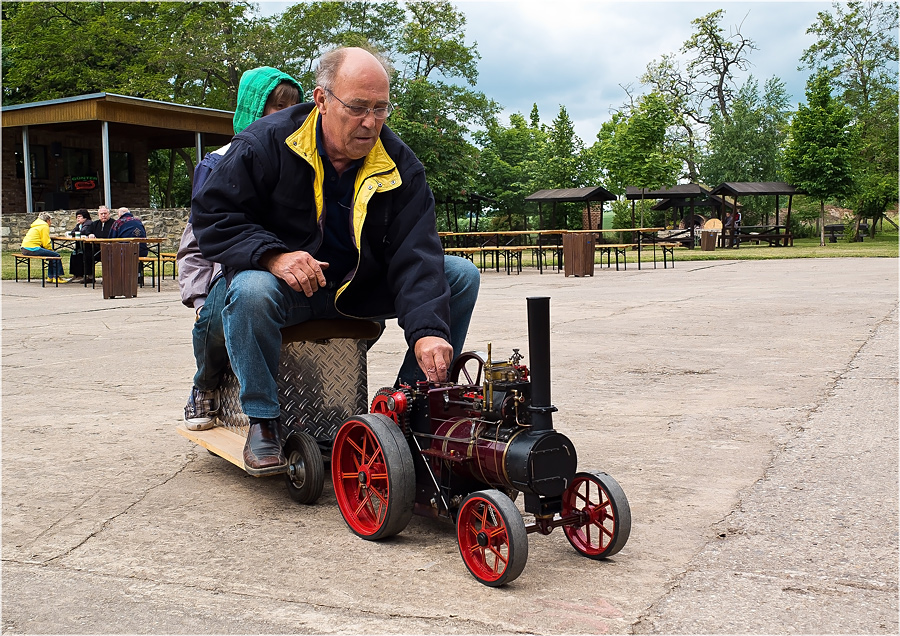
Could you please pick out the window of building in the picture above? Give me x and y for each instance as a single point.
(38, 162)
(76, 162)
(120, 167)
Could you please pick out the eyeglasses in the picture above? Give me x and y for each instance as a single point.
(382, 112)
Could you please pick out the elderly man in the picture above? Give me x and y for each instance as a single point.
(129, 226)
(320, 211)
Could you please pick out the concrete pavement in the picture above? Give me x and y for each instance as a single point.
(748, 409)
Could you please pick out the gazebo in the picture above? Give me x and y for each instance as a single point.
(761, 188)
(572, 195)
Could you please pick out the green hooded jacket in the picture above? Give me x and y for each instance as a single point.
(253, 91)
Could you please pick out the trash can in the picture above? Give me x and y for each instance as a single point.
(578, 254)
(120, 269)
(708, 241)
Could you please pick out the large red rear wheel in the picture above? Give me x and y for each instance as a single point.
(492, 539)
(373, 475)
(606, 513)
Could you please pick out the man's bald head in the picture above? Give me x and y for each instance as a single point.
(331, 63)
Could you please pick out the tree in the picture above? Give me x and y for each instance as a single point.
(633, 149)
(706, 82)
(819, 156)
(432, 116)
(715, 57)
(858, 46)
(509, 166)
(750, 147)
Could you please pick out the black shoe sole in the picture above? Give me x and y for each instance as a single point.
(272, 470)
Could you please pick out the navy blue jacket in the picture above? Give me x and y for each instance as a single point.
(266, 194)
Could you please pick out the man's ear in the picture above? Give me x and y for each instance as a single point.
(319, 99)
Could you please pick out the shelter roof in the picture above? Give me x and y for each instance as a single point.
(711, 201)
(596, 193)
(680, 191)
(161, 124)
(761, 188)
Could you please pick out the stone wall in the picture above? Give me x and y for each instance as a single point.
(164, 222)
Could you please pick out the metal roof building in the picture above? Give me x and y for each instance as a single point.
(93, 149)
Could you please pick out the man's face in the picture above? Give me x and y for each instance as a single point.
(349, 137)
(103, 213)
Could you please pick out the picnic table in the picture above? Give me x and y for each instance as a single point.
(154, 246)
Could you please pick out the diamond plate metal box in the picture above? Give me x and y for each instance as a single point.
(320, 385)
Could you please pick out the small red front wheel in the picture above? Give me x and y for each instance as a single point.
(373, 475)
(492, 539)
(601, 502)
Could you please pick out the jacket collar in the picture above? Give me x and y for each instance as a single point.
(303, 143)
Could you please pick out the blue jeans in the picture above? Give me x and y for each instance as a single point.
(209, 339)
(258, 305)
(464, 280)
(54, 268)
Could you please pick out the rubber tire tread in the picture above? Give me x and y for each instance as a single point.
(401, 474)
(314, 485)
(621, 509)
(515, 530)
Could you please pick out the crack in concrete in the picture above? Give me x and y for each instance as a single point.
(795, 430)
(189, 459)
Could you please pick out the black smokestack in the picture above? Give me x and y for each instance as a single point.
(539, 348)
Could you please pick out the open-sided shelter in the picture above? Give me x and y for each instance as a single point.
(760, 188)
(93, 149)
(573, 195)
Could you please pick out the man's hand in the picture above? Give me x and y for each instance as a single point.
(434, 355)
(298, 269)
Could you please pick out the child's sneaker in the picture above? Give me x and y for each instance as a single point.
(201, 410)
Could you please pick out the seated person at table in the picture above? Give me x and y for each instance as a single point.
(100, 229)
(82, 227)
(129, 226)
(37, 243)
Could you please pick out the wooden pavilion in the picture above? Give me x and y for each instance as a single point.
(93, 149)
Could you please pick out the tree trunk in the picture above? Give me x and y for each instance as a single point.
(822, 224)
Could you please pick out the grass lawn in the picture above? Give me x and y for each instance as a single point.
(884, 245)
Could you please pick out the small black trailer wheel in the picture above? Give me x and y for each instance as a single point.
(305, 477)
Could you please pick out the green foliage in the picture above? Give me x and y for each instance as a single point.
(632, 148)
(819, 156)
(432, 118)
(748, 148)
(508, 166)
(857, 45)
(434, 40)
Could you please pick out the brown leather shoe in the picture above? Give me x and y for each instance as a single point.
(262, 450)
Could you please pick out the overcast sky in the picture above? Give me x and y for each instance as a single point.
(579, 53)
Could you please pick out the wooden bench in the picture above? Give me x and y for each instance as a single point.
(666, 247)
(618, 248)
(26, 259)
(833, 229)
(170, 258)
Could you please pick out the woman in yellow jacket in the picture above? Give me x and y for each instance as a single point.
(37, 243)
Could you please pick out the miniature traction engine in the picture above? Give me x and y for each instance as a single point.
(463, 450)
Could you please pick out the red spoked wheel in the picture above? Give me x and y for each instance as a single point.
(469, 364)
(601, 502)
(373, 475)
(492, 539)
